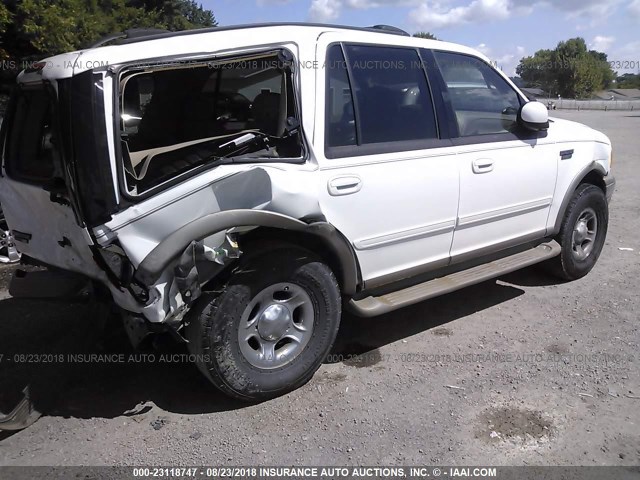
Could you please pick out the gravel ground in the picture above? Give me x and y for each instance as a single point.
(518, 371)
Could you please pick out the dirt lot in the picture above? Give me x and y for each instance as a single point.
(520, 371)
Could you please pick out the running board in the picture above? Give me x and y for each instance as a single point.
(373, 306)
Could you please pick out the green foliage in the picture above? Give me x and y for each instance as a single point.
(571, 70)
(5, 20)
(427, 35)
(39, 28)
(628, 80)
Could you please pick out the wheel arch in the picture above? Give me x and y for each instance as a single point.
(593, 174)
(321, 237)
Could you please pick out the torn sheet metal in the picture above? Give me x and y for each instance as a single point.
(139, 229)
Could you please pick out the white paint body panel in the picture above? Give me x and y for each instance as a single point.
(404, 210)
(510, 201)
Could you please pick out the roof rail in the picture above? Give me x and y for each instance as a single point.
(132, 33)
(140, 34)
(391, 29)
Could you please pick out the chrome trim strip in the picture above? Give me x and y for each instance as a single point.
(404, 235)
(502, 213)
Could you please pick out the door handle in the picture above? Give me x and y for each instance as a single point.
(482, 165)
(344, 185)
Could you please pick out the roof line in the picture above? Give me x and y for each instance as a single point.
(387, 29)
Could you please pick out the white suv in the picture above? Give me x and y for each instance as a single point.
(237, 186)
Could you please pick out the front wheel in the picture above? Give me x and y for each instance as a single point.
(582, 234)
(268, 329)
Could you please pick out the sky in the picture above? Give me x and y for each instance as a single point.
(504, 30)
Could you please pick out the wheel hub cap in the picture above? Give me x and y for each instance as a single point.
(584, 234)
(276, 326)
(274, 321)
(581, 231)
(8, 250)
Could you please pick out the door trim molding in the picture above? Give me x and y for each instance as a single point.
(405, 235)
(503, 213)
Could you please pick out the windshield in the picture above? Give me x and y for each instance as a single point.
(175, 119)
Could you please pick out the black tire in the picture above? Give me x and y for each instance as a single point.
(213, 324)
(3, 221)
(569, 265)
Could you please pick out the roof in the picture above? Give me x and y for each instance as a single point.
(205, 43)
(156, 34)
(538, 92)
(627, 92)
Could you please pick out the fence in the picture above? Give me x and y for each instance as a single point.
(605, 105)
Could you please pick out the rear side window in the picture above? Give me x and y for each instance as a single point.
(29, 151)
(483, 102)
(340, 115)
(177, 120)
(393, 101)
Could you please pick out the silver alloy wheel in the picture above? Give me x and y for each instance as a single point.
(584, 234)
(276, 325)
(8, 251)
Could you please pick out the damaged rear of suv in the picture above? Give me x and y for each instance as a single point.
(235, 187)
(180, 183)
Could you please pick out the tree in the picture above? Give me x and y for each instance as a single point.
(537, 71)
(628, 80)
(5, 20)
(426, 35)
(38, 28)
(571, 70)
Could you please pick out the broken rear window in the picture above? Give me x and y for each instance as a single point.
(180, 119)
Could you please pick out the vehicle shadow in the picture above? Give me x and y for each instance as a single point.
(360, 335)
(73, 370)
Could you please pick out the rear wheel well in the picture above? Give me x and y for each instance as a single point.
(308, 241)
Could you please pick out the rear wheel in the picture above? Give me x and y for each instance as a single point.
(268, 329)
(582, 234)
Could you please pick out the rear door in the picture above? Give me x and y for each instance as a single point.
(387, 180)
(507, 175)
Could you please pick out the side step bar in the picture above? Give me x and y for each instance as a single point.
(372, 306)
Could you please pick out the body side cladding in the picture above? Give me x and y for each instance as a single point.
(154, 264)
(594, 172)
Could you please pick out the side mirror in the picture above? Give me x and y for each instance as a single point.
(534, 116)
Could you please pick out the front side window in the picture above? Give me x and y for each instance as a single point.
(483, 102)
(175, 119)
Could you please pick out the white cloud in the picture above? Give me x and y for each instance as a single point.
(435, 15)
(366, 4)
(507, 60)
(634, 8)
(602, 43)
(324, 10)
(442, 13)
(266, 3)
(484, 49)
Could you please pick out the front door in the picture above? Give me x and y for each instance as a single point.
(507, 175)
